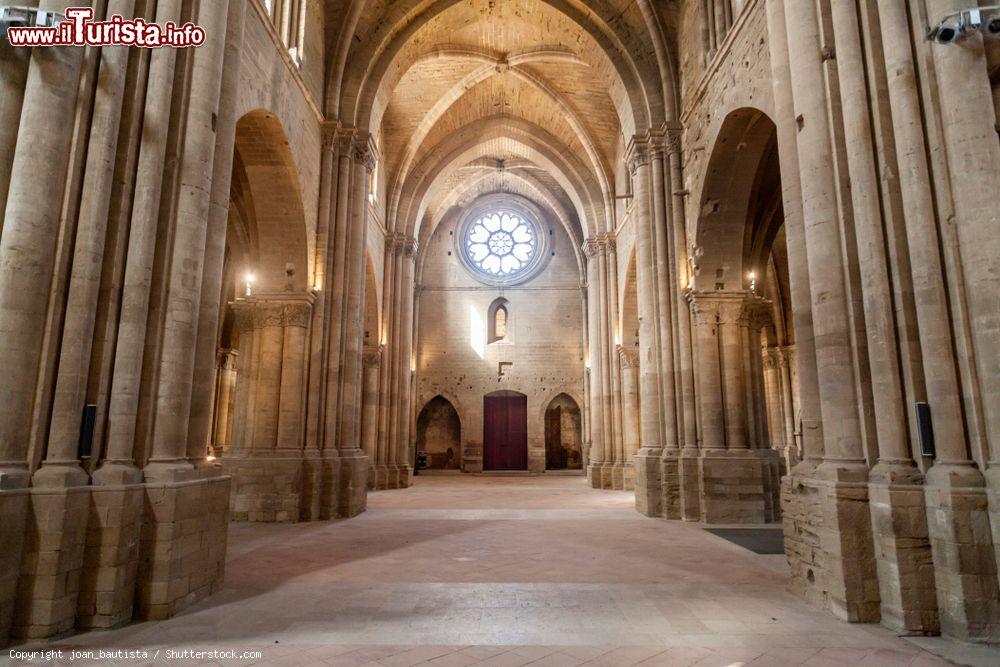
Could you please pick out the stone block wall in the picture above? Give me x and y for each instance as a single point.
(183, 552)
(266, 489)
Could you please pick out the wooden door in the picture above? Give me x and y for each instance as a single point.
(505, 432)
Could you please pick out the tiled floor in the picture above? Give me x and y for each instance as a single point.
(508, 571)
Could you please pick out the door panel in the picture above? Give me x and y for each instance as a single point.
(505, 433)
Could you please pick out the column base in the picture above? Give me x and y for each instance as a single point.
(51, 562)
(993, 497)
(111, 558)
(670, 484)
(183, 549)
(405, 476)
(828, 542)
(733, 487)
(312, 486)
(902, 550)
(629, 475)
(770, 465)
(329, 484)
(599, 475)
(267, 487)
(964, 557)
(648, 498)
(353, 496)
(689, 480)
(14, 504)
(618, 476)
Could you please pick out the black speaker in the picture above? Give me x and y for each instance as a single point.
(925, 429)
(86, 445)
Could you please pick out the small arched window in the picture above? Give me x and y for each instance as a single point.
(499, 319)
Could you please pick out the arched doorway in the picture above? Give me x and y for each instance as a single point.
(439, 434)
(563, 435)
(505, 431)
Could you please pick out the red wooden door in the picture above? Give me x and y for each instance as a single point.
(505, 432)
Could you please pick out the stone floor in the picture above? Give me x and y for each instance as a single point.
(506, 571)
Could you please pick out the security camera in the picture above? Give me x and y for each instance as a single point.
(12, 16)
(954, 27)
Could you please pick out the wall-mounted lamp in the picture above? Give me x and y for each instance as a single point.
(249, 285)
(753, 282)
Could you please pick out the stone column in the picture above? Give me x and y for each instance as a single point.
(956, 497)
(30, 223)
(372, 358)
(27, 248)
(785, 365)
(330, 456)
(899, 523)
(648, 498)
(225, 384)
(168, 458)
(669, 480)
(265, 455)
(773, 400)
(798, 259)
(757, 314)
(200, 425)
(404, 370)
(629, 360)
(687, 464)
(623, 474)
(312, 457)
(353, 462)
(599, 454)
(847, 553)
(969, 125)
(612, 464)
(381, 475)
(732, 481)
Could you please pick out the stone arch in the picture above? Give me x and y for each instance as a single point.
(563, 434)
(439, 434)
(732, 235)
(273, 214)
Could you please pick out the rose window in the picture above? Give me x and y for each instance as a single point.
(501, 244)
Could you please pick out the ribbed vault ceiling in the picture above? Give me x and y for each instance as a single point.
(467, 98)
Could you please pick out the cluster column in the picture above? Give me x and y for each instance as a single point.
(265, 454)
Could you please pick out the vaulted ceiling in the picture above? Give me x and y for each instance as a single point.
(466, 98)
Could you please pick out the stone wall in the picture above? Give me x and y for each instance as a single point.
(544, 346)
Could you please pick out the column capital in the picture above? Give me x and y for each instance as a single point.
(258, 312)
(673, 135)
(638, 153)
(629, 356)
(772, 357)
(717, 307)
(757, 312)
(601, 244)
(364, 151)
(401, 244)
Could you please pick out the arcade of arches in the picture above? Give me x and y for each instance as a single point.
(737, 257)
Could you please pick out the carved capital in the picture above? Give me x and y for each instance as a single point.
(331, 134)
(673, 138)
(252, 314)
(638, 154)
(592, 247)
(629, 357)
(757, 312)
(364, 152)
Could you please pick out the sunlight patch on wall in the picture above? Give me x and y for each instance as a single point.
(477, 332)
